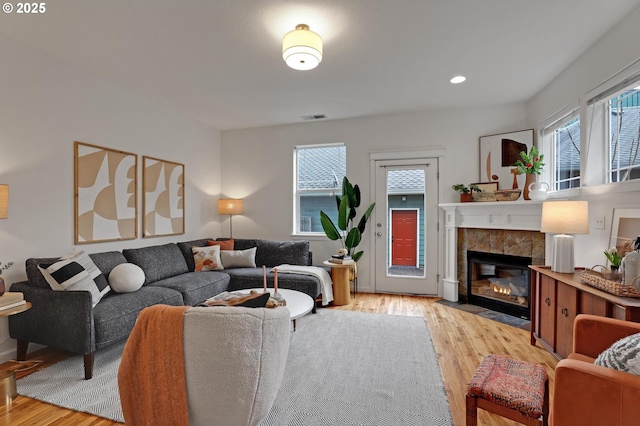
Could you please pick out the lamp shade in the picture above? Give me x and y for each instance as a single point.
(4, 201)
(565, 217)
(230, 206)
(302, 48)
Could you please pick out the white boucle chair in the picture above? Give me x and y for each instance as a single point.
(234, 360)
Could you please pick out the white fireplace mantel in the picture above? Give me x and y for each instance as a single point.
(512, 215)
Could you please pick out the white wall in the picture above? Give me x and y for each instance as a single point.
(614, 52)
(258, 163)
(44, 107)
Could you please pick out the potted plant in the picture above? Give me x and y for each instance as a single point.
(530, 165)
(347, 232)
(3, 268)
(465, 191)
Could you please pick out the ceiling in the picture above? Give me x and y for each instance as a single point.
(220, 62)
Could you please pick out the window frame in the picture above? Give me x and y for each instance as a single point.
(549, 143)
(297, 192)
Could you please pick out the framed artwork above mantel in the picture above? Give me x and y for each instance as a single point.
(498, 155)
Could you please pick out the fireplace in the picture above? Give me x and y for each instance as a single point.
(499, 282)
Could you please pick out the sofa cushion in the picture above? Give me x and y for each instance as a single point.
(623, 355)
(238, 258)
(158, 262)
(115, 316)
(241, 243)
(224, 244)
(274, 253)
(206, 258)
(185, 248)
(126, 278)
(76, 272)
(196, 287)
(107, 260)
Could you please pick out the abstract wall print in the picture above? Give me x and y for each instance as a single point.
(163, 200)
(498, 155)
(105, 195)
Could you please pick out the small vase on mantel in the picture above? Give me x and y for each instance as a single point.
(529, 179)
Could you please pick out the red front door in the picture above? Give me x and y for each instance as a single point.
(404, 237)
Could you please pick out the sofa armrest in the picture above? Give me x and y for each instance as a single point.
(593, 334)
(587, 394)
(60, 319)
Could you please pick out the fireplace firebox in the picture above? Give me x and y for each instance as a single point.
(499, 282)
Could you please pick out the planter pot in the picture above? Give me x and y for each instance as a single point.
(465, 198)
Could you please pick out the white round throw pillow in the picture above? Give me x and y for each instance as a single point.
(126, 277)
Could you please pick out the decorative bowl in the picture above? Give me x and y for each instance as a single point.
(507, 194)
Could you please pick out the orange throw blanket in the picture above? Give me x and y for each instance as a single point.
(151, 377)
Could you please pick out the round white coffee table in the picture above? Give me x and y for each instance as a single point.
(298, 303)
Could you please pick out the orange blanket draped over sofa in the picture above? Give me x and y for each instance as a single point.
(148, 365)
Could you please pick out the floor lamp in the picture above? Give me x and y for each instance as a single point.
(230, 206)
(562, 218)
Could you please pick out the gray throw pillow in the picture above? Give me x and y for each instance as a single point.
(623, 355)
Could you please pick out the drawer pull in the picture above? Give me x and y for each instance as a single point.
(547, 301)
(565, 312)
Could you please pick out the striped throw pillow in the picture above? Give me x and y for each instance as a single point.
(623, 355)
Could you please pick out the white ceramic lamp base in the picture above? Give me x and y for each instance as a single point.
(563, 260)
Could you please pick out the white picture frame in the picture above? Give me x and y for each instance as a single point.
(625, 228)
(493, 153)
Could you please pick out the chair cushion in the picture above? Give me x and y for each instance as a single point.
(518, 385)
(623, 355)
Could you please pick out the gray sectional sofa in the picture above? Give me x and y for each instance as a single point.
(66, 320)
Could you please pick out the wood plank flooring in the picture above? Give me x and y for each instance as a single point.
(461, 341)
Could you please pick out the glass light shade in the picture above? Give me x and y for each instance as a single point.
(302, 48)
(4, 201)
(230, 206)
(565, 217)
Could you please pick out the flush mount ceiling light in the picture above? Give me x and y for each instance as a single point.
(458, 79)
(302, 48)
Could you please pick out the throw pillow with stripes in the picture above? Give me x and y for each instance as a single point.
(623, 355)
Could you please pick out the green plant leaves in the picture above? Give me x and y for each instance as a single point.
(329, 228)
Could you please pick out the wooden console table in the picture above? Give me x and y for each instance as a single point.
(557, 298)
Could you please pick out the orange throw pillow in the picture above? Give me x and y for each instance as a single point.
(224, 245)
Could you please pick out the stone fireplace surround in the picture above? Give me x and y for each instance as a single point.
(507, 227)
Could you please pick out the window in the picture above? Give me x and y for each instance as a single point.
(563, 139)
(319, 170)
(624, 134)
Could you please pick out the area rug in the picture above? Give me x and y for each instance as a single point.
(344, 368)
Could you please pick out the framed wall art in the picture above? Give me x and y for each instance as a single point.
(499, 153)
(105, 194)
(486, 192)
(625, 228)
(163, 199)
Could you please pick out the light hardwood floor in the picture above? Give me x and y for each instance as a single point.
(461, 341)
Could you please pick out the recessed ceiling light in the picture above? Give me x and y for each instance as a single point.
(458, 79)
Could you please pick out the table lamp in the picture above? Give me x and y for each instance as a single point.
(230, 206)
(562, 218)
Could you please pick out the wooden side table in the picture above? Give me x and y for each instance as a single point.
(340, 278)
(8, 390)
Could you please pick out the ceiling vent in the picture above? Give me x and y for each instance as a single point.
(313, 117)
